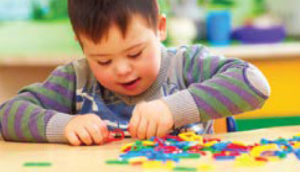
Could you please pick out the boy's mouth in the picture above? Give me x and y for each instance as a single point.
(131, 85)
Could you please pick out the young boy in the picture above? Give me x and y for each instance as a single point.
(128, 80)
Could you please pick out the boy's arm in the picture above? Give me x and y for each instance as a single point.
(216, 87)
(40, 112)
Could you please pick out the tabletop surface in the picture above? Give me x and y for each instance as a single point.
(92, 158)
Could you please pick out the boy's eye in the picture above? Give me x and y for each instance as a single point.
(104, 62)
(135, 55)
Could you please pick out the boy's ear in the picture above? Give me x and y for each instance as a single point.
(76, 38)
(162, 27)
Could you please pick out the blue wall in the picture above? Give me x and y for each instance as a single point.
(20, 9)
(15, 9)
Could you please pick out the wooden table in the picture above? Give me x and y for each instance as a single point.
(92, 158)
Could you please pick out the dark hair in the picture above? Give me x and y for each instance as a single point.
(93, 18)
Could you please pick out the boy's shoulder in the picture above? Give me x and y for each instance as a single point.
(80, 70)
(187, 51)
(84, 76)
(186, 48)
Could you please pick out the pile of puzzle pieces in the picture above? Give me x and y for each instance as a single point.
(166, 152)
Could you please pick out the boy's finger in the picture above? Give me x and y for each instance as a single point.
(73, 139)
(161, 131)
(142, 128)
(95, 133)
(84, 136)
(104, 130)
(133, 125)
(151, 131)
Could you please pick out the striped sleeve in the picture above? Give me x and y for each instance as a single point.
(216, 87)
(26, 116)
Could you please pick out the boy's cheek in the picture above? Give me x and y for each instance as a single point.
(104, 77)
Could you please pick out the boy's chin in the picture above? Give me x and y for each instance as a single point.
(132, 93)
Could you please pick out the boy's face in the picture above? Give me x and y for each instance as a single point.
(127, 65)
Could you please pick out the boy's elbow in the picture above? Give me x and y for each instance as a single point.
(258, 82)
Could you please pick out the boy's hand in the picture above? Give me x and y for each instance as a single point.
(86, 129)
(151, 119)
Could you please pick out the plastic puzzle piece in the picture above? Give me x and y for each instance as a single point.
(117, 162)
(37, 164)
(158, 165)
(205, 167)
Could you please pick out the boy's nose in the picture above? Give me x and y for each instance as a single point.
(123, 68)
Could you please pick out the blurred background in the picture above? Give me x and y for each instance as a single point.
(36, 36)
